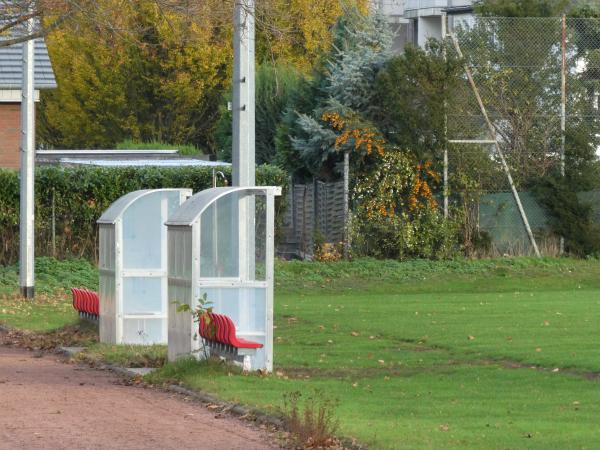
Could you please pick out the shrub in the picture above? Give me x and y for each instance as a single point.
(423, 235)
(79, 196)
(397, 215)
(570, 218)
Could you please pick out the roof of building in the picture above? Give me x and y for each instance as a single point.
(11, 67)
(179, 162)
(124, 158)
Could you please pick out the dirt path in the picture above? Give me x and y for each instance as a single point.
(46, 404)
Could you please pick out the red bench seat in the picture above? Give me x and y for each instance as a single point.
(220, 335)
(221, 329)
(86, 303)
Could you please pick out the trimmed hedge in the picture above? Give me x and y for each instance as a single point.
(81, 195)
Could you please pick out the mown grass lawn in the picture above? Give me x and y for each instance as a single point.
(483, 354)
(52, 306)
(461, 354)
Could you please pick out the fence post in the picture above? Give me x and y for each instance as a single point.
(346, 205)
(53, 223)
(563, 108)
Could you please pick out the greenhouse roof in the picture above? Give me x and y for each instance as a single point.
(175, 162)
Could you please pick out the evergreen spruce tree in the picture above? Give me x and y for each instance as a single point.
(361, 46)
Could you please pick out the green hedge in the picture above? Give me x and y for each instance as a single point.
(82, 194)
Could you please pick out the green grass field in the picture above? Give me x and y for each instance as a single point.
(460, 354)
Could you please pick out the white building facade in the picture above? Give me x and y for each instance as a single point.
(416, 21)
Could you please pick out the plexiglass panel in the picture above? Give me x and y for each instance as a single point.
(245, 306)
(260, 236)
(143, 331)
(107, 247)
(143, 224)
(142, 227)
(107, 307)
(219, 239)
(180, 253)
(142, 295)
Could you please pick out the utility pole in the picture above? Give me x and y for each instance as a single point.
(243, 103)
(563, 108)
(244, 143)
(444, 36)
(26, 224)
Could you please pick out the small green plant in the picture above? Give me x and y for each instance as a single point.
(201, 313)
(312, 423)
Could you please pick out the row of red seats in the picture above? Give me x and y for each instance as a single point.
(86, 303)
(221, 329)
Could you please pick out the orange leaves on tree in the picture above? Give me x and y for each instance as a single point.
(364, 138)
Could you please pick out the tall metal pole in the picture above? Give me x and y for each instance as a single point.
(243, 152)
(563, 108)
(243, 103)
(563, 89)
(444, 35)
(26, 225)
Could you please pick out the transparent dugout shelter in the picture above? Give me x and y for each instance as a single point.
(133, 266)
(221, 245)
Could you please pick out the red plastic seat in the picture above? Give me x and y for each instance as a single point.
(225, 332)
(238, 342)
(86, 302)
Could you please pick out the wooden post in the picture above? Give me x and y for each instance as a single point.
(346, 205)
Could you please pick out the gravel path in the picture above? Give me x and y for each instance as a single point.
(47, 404)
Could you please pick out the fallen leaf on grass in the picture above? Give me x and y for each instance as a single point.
(471, 338)
(355, 333)
(444, 427)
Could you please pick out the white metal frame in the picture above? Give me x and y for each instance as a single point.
(186, 342)
(112, 318)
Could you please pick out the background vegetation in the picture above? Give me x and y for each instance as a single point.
(148, 73)
(78, 196)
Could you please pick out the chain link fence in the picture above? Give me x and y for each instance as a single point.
(538, 82)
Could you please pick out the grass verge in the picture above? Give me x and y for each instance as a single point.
(125, 355)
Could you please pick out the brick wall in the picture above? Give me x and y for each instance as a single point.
(10, 135)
